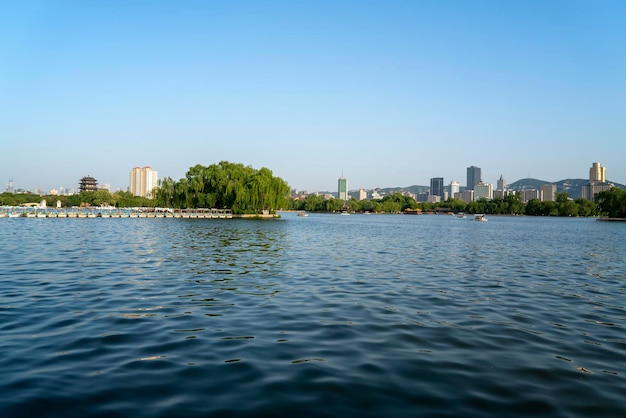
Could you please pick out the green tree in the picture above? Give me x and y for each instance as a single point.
(586, 207)
(226, 185)
(515, 204)
(612, 202)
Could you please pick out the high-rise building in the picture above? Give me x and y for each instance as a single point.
(87, 184)
(548, 192)
(10, 186)
(143, 180)
(597, 182)
(455, 187)
(501, 185)
(483, 190)
(362, 194)
(342, 193)
(597, 173)
(473, 177)
(436, 187)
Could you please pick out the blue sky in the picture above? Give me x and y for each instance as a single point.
(391, 93)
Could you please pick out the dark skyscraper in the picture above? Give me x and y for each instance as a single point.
(473, 177)
(436, 187)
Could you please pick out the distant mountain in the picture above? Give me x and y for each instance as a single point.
(574, 187)
(412, 189)
(527, 183)
(384, 191)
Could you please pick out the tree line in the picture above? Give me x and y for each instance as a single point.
(122, 199)
(609, 203)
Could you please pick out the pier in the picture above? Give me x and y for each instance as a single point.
(110, 212)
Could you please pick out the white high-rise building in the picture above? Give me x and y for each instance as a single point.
(455, 187)
(483, 190)
(501, 183)
(143, 180)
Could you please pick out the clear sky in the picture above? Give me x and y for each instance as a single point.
(391, 93)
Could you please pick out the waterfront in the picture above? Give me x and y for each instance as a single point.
(326, 315)
(112, 212)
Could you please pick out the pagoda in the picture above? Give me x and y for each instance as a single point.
(88, 184)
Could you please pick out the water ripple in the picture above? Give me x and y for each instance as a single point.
(318, 316)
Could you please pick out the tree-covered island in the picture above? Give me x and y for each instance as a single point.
(225, 185)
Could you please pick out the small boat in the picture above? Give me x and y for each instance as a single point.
(303, 214)
(345, 212)
(461, 215)
(480, 218)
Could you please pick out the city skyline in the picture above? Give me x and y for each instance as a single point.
(394, 94)
(596, 167)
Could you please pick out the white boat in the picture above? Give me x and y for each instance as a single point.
(461, 215)
(303, 214)
(480, 218)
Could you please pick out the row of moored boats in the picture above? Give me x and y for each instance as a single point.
(19, 212)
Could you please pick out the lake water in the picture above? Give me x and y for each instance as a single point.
(321, 316)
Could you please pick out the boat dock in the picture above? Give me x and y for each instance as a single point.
(105, 212)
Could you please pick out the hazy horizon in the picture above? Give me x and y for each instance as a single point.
(388, 93)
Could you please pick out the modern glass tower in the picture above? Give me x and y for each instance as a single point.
(436, 187)
(473, 177)
(342, 193)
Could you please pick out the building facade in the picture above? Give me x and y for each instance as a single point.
(483, 190)
(436, 187)
(597, 173)
(500, 194)
(548, 192)
(342, 192)
(591, 189)
(455, 187)
(466, 195)
(529, 194)
(473, 177)
(597, 182)
(143, 180)
(501, 185)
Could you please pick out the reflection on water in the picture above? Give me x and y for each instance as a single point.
(321, 316)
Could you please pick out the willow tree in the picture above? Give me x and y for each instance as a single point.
(226, 185)
(612, 202)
